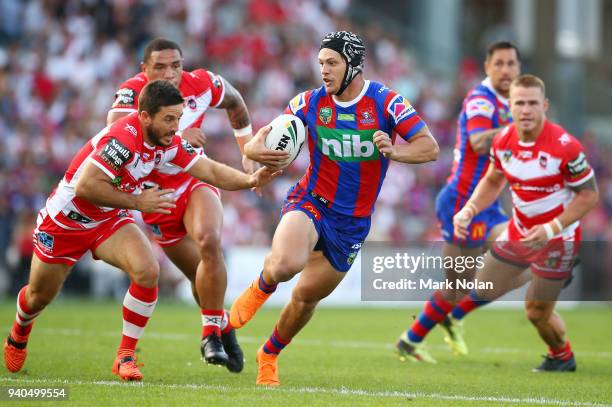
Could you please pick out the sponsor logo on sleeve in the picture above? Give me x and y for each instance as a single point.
(115, 154)
(297, 103)
(400, 108)
(578, 166)
(188, 147)
(479, 107)
(125, 97)
(564, 139)
(216, 81)
(131, 129)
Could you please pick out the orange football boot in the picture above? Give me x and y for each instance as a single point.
(245, 306)
(14, 354)
(267, 368)
(127, 368)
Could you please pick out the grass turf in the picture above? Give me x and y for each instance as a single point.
(343, 357)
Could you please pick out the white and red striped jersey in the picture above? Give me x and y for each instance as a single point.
(200, 88)
(120, 151)
(540, 174)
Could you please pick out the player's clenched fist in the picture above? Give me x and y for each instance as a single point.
(462, 220)
(383, 143)
(155, 200)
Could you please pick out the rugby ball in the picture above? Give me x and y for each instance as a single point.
(287, 134)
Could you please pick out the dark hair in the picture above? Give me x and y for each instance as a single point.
(502, 45)
(158, 94)
(529, 81)
(159, 44)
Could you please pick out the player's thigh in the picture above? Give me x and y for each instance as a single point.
(128, 249)
(501, 273)
(185, 255)
(46, 279)
(318, 279)
(495, 232)
(294, 240)
(203, 217)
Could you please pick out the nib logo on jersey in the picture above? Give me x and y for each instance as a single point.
(347, 145)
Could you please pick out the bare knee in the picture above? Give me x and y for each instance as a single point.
(282, 267)
(538, 313)
(209, 244)
(145, 272)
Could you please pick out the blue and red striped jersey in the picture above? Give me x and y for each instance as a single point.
(483, 109)
(346, 169)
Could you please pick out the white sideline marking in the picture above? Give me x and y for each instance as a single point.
(344, 391)
(306, 342)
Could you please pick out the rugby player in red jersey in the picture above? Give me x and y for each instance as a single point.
(484, 112)
(87, 211)
(191, 234)
(553, 187)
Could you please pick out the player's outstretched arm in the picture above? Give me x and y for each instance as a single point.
(228, 178)
(96, 187)
(486, 192)
(421, 148)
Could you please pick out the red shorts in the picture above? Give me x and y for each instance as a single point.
(54, 244)
(555, 260)
(170, 229)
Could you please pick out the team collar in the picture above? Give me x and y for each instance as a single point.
(487, 84)
(366, 85)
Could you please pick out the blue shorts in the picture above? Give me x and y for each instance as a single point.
(340, 236)
(449, 202)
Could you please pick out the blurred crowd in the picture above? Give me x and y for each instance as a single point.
(61, 61)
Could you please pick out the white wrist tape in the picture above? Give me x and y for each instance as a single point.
(559, 224)
(245, 131)
(471, 206)
(549, 231)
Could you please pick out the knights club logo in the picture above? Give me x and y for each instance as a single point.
(325, 115)
(367, 117)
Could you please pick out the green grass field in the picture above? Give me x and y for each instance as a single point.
(343, 357)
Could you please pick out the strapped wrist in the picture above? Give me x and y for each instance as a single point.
(245, 131)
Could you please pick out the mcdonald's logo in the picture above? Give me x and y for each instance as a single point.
(478, 231)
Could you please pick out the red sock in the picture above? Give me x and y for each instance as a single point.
(275, 344)
(563, 353)
(138, 305)
(434, 311)
(226, 326)
(211, 322)
(24, 319)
